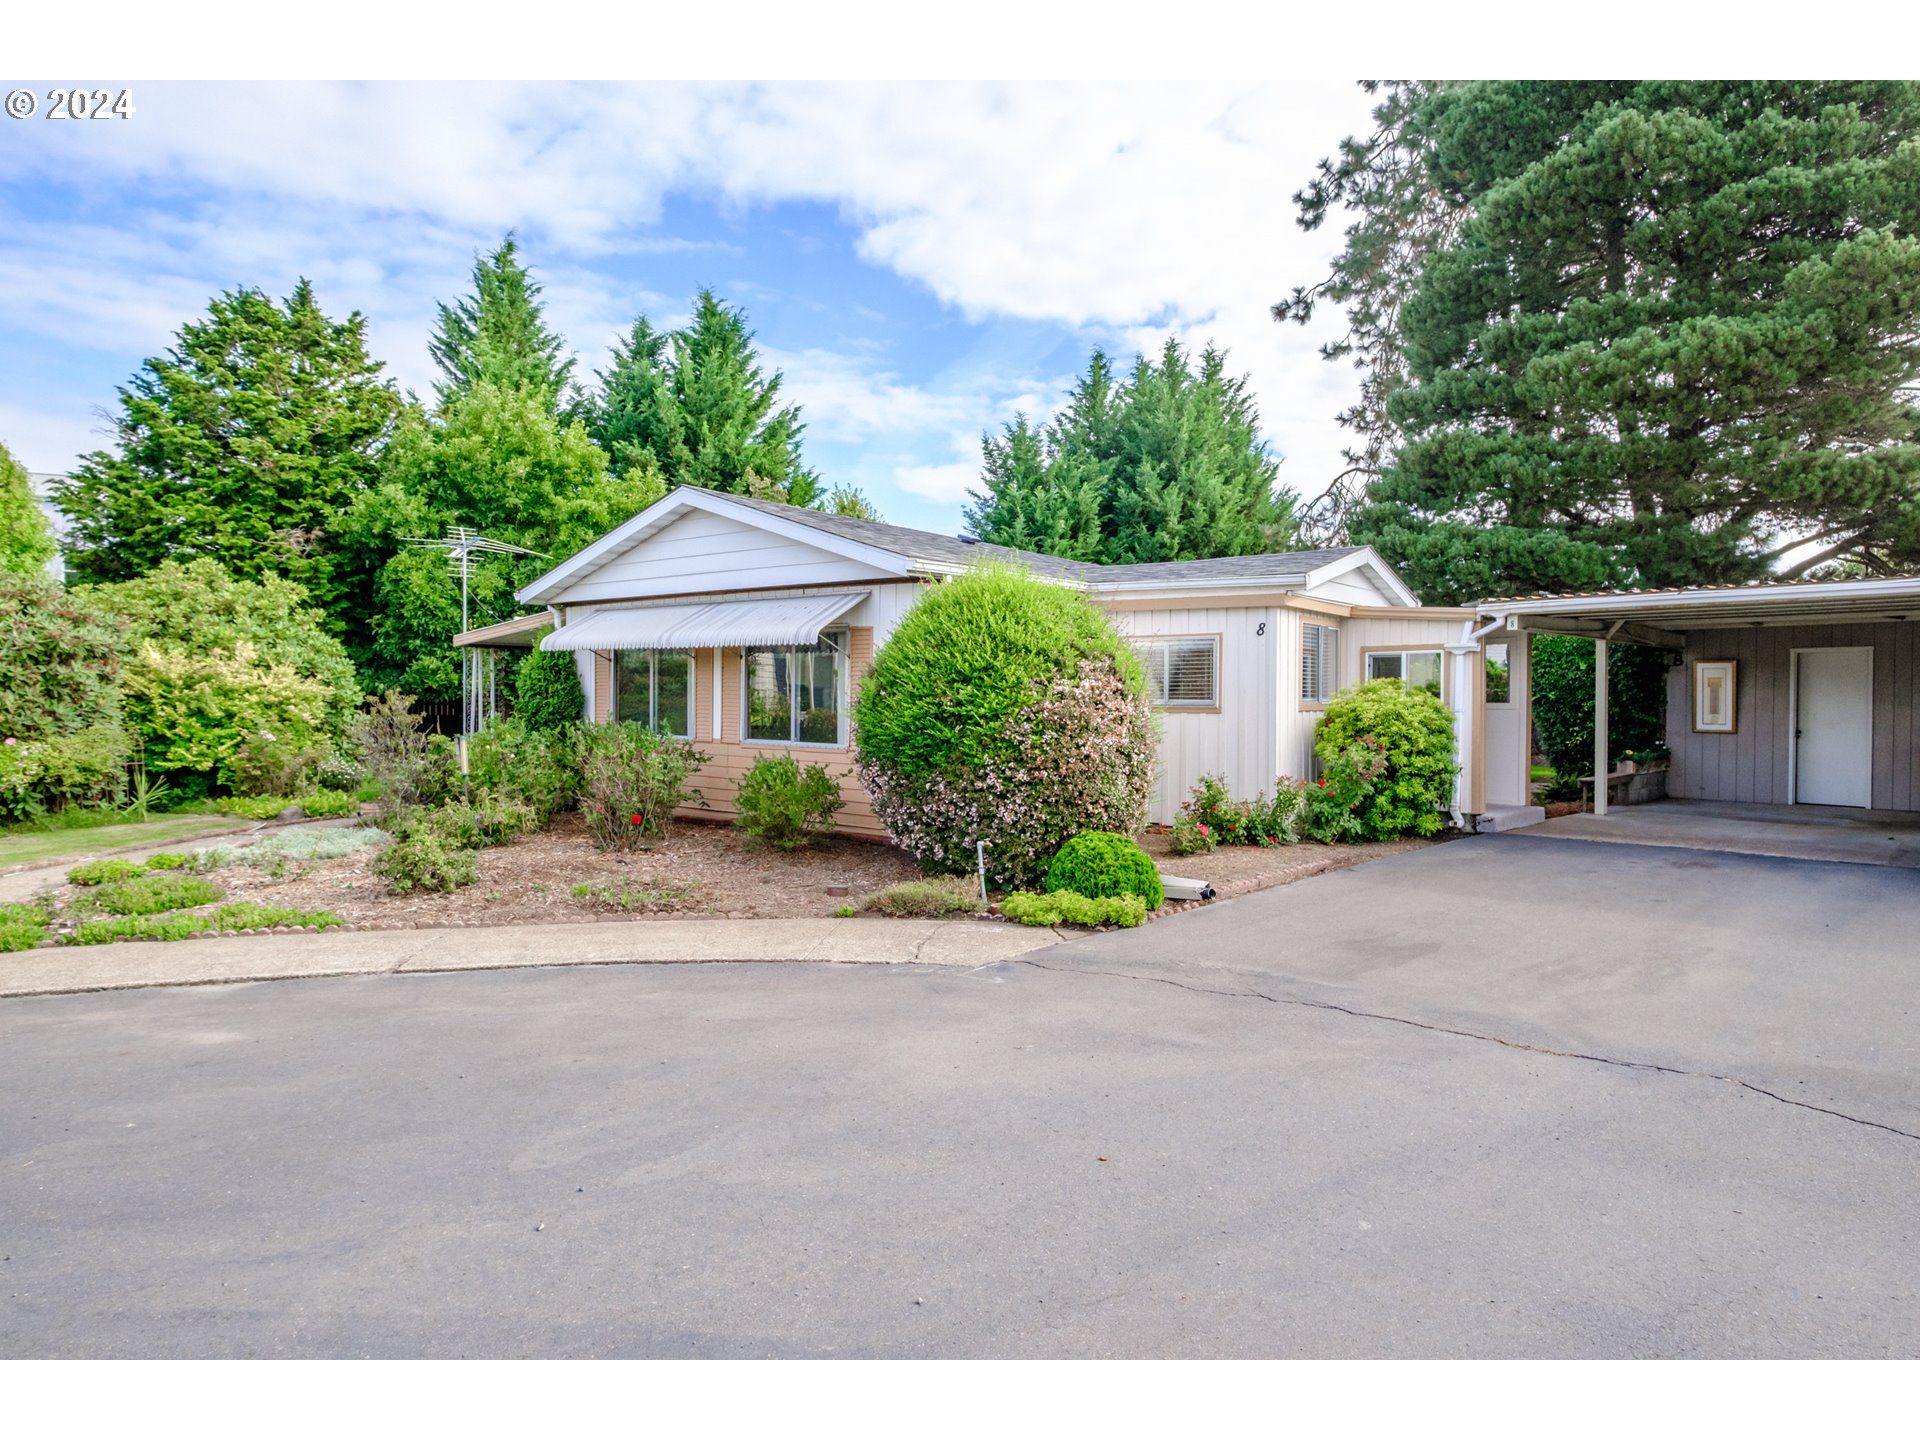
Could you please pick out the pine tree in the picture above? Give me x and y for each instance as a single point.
(243, 443)
(1675, 340)
(634, 416)
(1165, 465)
(26, 539)
(499, 334)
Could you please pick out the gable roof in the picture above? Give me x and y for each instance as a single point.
(904, 551)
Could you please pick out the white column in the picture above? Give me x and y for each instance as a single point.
(1600, 727)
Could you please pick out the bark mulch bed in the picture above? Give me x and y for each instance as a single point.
(701, 870)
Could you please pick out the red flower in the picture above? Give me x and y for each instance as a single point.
(1205, 831)
(639, 820)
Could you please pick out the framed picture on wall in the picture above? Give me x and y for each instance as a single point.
(1714, 711)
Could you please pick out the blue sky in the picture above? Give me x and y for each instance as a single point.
(921, 261)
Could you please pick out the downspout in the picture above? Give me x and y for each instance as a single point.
(1466, 738)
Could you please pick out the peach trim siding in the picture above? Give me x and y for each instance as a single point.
(718, 780)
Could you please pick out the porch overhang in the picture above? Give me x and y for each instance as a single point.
(1652, 617)
(714, 625)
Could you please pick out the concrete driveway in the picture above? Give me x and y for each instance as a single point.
(1499, 1097)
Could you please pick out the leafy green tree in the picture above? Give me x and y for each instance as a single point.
(701, 405)
(499, 334)
(1561, 679)
(1166, 464)
(850, 501)
(1674, 339)
(495, 460)
(243, 444)
(26, 539)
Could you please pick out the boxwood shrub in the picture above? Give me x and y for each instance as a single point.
(1098, 863)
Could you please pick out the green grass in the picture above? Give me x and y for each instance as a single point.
(156, 893)
(28, 847)
(239, 915)
(635, 897)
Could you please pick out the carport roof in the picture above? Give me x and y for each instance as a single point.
(1804, 602)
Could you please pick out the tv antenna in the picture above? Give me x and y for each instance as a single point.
(461, 545)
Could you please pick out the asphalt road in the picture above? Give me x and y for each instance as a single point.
(1346, 1118)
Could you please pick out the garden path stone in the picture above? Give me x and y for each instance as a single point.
(226, 960)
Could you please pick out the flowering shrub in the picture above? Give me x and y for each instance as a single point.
(1413, 733)
(632, 779)
(85, 767)
(541, 767)
(1211, 816)
(1190, 837)
(1079, 756)
(1009, 711)
(1330, 807)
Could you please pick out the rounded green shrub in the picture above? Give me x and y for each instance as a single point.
(546, 690)
(1414, 733)
(425, 860)
(61, 737)
(785, 806)
(1098, 863)
(1007, 710)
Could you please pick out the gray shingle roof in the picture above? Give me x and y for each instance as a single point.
(952, 550)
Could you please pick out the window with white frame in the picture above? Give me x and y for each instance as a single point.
(794, 693)
(655, 688)
(1183, 671)
(1499, 675)
(1319, 662)
(1416, 669)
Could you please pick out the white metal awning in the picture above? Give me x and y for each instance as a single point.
(720, 624)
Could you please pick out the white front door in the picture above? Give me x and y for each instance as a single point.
(1833, 727)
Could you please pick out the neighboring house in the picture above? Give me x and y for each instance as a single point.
(746, 625)
(1780, 694)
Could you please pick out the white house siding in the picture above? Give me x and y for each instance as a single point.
(1414, 631)
(1240, 739)
(1507, 730)
(699, 548)
(1355, 587)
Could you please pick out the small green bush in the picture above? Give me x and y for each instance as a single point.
(539, 766)
(99, 872)
(941, 895)
(546, 690)
(1190, 837)
(636, 897)
(424, 860)
(632, 780)
(489, 820)
(153, 894)
(22, 926)
(320, 804)
(1415, 734)
(1063, 907)
(844, 912)
(169, 860)
(1330, 807)
(784, 806)
(1099, 863)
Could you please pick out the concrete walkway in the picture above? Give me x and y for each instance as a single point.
(1790, 832)
(134, 964)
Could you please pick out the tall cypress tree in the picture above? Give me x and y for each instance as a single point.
(1165, 465)
(499, 333)
(244, 443)
(1675, 342)
(701, 405)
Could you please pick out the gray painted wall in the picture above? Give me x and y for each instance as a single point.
(1752, 764)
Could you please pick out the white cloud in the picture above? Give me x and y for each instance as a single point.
(1125, 210)
(948, 484)
(50, 442)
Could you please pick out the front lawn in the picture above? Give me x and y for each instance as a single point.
(33, 847)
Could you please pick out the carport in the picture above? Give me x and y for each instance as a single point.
(1784, 699)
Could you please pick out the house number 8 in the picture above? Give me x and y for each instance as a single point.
(1261, 628)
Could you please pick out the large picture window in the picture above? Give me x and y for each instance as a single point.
(655, 687)
(1183, 672)
(1416, 669)
(1319, 657)
(794, 695)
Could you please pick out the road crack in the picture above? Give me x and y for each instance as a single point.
(1649, 1066)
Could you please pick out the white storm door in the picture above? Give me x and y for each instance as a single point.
(1833, 727)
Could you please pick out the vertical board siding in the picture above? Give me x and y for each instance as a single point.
(1239, 740)
(1752, 764)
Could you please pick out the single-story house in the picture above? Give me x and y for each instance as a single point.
(746, 625)
(1779, 694)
